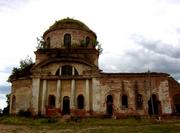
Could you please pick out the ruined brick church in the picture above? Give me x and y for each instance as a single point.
(66, 80)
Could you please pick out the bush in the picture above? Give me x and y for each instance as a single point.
(26, 113)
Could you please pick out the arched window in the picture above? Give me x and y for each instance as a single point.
(66, 70)
(48, 42)
(75, 72)
(87, 41)
(176, 100)
(57, 72)
(80, 102)
(139, 101)
(13, 102)
(67, 40)
(51, 100)
(124, 101)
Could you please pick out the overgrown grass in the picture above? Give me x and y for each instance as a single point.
(93, 125)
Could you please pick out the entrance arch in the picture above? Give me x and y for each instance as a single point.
(153, 105)
(80, 102)
(109, 105)
(176, 100)
(66, 105)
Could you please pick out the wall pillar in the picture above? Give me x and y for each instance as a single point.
(72, 106)
(35, 95)
(58, 94)
(87, 95)
(44, 97)
(10, 108)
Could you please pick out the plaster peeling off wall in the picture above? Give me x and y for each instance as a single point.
(96, 95)
(164, 97)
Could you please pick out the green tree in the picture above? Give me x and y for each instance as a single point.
(23, 69)
(6, 109)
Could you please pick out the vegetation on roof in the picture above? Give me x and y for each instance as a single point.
(23, 70)
(68, 21)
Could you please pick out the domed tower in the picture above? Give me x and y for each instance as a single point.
(66, 62)
(69, 38)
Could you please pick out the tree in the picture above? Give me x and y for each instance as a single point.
(23, 69)
(6, 109)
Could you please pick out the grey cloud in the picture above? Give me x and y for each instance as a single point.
(146, 55)
(5, 89)
(8, 69)
(157, 46)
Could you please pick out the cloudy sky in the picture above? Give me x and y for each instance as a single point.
(136, 35)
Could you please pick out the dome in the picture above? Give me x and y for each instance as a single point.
(68, 23)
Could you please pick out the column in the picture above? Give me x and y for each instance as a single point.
(58, 94)
(72, 94)
(87, 95)
(44, 97)
(35, 94)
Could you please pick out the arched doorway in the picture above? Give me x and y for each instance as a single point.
(109, 105)
(153, 105)
(66, 105)
(51, 101)
(176, 100)
(80, 102)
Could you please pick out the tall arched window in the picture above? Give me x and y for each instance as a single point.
(124, 101)
(80, 102)
(139, 101)
(51, 100)
(48, 42)
(13, 102)
(87, 41)
(67, 40)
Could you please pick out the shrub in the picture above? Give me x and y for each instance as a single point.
(26, 113)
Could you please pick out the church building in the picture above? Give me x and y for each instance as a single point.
(66, 80)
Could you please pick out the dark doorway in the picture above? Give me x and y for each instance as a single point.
(80, 102)
(176, 100)
(153, 105)
(109, 105)
(66, 105)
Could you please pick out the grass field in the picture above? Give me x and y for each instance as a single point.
(91, 125)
